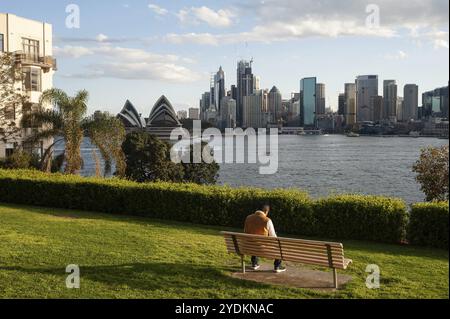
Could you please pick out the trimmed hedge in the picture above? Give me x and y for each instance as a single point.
(343, 217)
(429, 225)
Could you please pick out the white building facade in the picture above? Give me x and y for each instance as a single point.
(31, 43)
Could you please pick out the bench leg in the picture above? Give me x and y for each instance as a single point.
(335, 278)
(243, 264)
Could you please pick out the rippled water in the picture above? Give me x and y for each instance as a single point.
(324, 165)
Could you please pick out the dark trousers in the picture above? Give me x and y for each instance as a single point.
(276, 264)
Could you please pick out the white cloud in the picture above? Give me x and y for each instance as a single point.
(130, 63)
(282, 20)
(221, 18)
(157, 9)
(399, 55)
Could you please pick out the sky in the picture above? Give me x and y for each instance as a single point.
(139, 50)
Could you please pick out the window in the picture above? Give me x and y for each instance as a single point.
(31, 49)
(2, 43)
(28, 108)
(10, 113)
(31, 79)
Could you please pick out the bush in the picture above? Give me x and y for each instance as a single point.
(362, 217)
(353, 217)
(20, 160)
(429, 225)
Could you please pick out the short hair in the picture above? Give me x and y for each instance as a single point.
(265, 205)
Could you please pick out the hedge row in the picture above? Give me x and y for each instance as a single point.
(342, 217)
(429, 225)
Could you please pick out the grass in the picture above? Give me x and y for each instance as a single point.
(129, 257)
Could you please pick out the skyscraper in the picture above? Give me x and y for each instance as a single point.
(275, 104)
(228, 112)
(341, 104)
(377, 106)
(308, 101)
(252, 106)
(244, 87)
(321, 99)
(219, 88)
(390, 99)
(366, 87)
(350, 103)
(410, 102)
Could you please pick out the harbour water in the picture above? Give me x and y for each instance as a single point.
(324, 165)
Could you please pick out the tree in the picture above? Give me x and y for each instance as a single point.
(204, 173)
(148, 160)
(11, 98)
(67, 123)
(432, 173)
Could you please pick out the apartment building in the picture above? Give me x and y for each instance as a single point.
(31, 43)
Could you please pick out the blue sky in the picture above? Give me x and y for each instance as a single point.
(139, 50)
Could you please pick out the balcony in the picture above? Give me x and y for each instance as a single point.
(47, 63)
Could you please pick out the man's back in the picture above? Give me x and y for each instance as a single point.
(257, 224)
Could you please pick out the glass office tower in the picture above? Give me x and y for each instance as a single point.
(308, 102)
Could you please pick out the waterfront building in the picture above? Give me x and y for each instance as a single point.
(275, 105)
(366, 87)
(244, 87)
(163, 120)
(130, 117)
(194, 114)
(252, 111)
(410, 102)
(435, 103)
(377, 105)
(320, 99)
(31, 43)
(350, 104)
(390, 93)
(308, 101)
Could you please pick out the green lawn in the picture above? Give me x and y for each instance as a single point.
(129, 257)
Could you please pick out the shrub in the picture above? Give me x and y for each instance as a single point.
(353, 217)
(429, 225)
(362, 217)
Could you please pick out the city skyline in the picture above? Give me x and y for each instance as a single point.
(179, 45)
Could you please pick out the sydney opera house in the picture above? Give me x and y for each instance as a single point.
(161, 123)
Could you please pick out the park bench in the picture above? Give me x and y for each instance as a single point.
(317, 253)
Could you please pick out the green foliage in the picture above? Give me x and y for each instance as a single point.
(362, 217)
(429, 225)
(432, 173)
(20, 160)
(148, 160)
(201, 173)
(354, 217)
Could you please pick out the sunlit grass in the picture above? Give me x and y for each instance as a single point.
(127, 257)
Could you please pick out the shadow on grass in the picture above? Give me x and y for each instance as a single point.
(151, 276)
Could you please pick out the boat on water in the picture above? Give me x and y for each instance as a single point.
(352, 134)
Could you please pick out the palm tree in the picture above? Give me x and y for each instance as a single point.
(67, 123)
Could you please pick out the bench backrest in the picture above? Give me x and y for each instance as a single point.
(327, 254)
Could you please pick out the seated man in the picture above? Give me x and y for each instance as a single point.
(260, 224)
